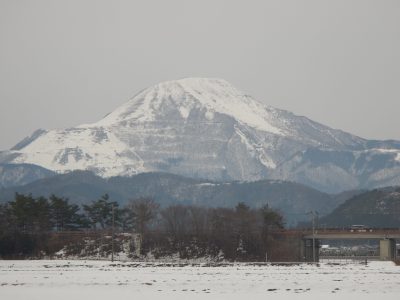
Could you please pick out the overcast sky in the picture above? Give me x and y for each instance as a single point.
(63, 63)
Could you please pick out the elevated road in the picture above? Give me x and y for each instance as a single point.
(387, 240)
(347, 234)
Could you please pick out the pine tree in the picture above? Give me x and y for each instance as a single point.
(65, 216)
(99, 212)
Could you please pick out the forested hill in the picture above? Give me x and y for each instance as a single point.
(20, 174)
(376, 208)
(291, 199)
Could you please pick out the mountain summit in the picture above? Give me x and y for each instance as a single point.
(206, 128)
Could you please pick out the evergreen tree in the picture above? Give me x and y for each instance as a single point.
(41, 215)
(65, 216)
(272, 220)
(23, 210)
(100, 212)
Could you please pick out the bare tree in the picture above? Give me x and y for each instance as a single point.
(199, 220)
(176, 220)
(142, 211)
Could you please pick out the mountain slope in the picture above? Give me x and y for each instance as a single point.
(21, 174)
(377, 208)
(206, 128)
(292, 199)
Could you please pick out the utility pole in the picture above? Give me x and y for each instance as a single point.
(313, 236)
(112, 234)
(314, 214)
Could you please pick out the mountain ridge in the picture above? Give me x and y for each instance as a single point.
(21, 174)
(379, 208)
(292, 199)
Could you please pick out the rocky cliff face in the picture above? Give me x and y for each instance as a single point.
(206, 128)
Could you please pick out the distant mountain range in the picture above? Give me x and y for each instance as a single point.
(206, 128)
(293, 200)
(375, 208)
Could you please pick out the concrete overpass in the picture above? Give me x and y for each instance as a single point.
(387, 241)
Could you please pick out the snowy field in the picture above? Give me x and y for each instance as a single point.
(64, 279)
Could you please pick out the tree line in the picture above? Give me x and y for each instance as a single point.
(240, 233)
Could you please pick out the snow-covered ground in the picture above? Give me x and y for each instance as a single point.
(72, 280)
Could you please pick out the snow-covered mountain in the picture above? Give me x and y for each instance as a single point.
(206, 128)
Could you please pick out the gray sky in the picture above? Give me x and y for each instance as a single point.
(63, 63)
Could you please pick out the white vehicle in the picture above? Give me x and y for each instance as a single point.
(360, 228)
